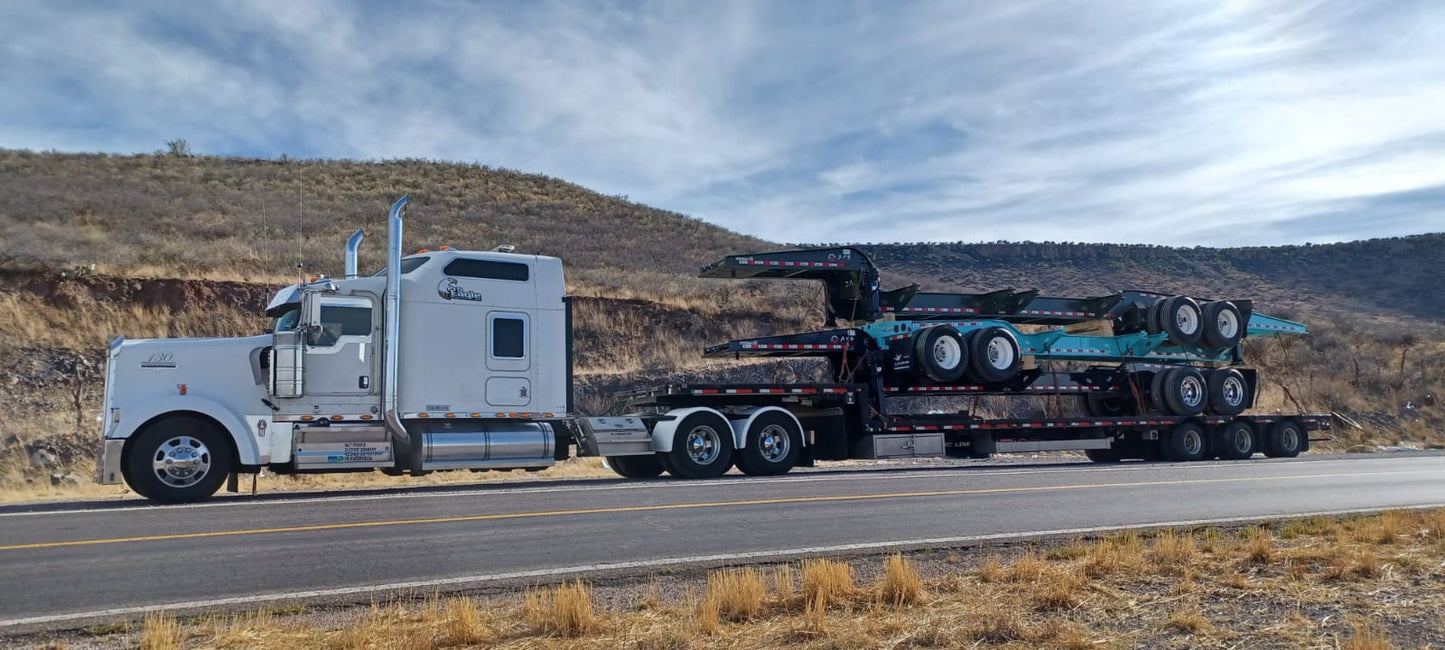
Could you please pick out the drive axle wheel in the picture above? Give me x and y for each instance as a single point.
(643, 466)
(1103, 455)
(774, 442)
(178, 460)
(702, 447)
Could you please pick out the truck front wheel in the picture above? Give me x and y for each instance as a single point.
(178, 460)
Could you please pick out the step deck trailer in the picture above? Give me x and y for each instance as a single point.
(844, 421)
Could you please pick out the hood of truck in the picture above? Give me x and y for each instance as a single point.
(149, 376)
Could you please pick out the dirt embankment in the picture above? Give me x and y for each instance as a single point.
(151, 293)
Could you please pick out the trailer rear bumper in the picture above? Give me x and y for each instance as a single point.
(108, 465)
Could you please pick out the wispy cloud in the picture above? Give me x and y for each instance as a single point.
(1187, 123)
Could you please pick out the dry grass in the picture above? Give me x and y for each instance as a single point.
(565, 610)
(900, 584)
(1225, 598)
(827, 583)
(161, 631)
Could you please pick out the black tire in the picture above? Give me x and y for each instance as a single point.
(773, 444)
(180, 459)
(1285, 440)
(645, 466)
(1156, 390)
(1228, 391)
(1151, 317)
(1185, 391)
(1103, 455)
(995, 355)
(1235, 441)
(1181, 318)
(1222, 324)
(1109, 406)
(940, 353)
(1185, 442)
(702, 447)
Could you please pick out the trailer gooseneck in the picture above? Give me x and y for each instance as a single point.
(463, 360)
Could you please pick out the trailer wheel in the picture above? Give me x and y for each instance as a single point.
(1286, 440)
(1235, 441)
(1181, 318)
(1185, 391)
(774, 443)
(1156, 391)
(702, 447)
(1227, 391)
(1103, 455)
(995, 355)
(1223, 325)
(644, 466)
(1151, 318)
(1185, 442)
(180, 459)
(940, 353)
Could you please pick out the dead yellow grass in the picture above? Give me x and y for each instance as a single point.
(161, 631)
(733, 595)
(900, 584)
(827, 582)
(565, 610)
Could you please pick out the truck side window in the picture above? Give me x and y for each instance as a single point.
(338, 321)
(488, 270)
(509, 337)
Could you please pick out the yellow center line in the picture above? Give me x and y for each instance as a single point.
(679, 506)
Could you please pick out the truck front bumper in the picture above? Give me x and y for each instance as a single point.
(108, 465)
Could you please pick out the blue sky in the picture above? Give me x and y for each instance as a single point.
(1203, 122)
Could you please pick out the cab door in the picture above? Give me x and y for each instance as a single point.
(341, 349)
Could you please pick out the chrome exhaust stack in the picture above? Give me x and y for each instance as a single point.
(351, 246)
(392, 306)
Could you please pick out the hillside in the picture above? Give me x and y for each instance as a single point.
(193, 246)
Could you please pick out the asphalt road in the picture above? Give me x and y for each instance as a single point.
(63, 564)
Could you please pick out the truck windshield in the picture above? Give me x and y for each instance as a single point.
(286, 320)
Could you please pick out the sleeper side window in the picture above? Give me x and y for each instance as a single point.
(488, 270)
(509, 336)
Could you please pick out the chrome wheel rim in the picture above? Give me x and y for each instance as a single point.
(1000, 353)
(1191, 391)
(946, 352)
(1233, 392)
(703, 444)
(181, 461)
(773, 443)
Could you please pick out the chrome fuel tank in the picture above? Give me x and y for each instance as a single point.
(472, 444)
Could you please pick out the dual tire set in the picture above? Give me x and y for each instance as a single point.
(1182, 390)
(989, 355)
(703, 447)
(1216, 325)
(1235, 440)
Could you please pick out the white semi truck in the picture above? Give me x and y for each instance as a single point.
(455, 359)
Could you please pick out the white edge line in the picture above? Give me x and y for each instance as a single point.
(731, 558)
(471, 489)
